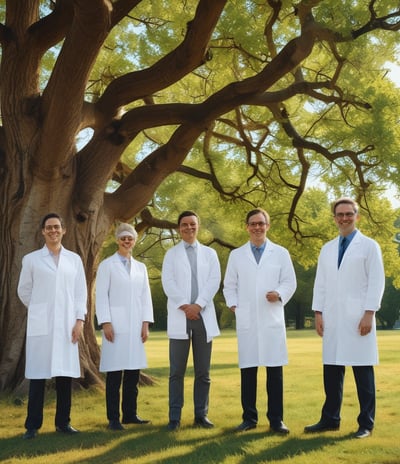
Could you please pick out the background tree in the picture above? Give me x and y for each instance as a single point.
(256, 97)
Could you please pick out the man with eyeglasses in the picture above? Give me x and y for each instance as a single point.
(52, 286)
(348, 289)
(259, 281)
(124, 310)
(191, 277)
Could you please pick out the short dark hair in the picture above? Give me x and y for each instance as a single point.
(258, 211)
(345, 201)
(50, 216)
(186, 214)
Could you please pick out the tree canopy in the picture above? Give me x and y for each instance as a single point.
(115, 110)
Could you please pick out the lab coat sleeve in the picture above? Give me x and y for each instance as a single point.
(287, 281)
(103, 280)
(320, 285)
(80, 291)
(25, 283)
(171, 285)
(230, 289)
(209, 284)
(147, 304)
(376, 277)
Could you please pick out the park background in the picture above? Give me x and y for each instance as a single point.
(134, 110)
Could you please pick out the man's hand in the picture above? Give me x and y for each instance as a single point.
(365, 325)
(77, 330)
(273, 297)
(319, 323)
(108, 331)
(145, 331)
(192, 311)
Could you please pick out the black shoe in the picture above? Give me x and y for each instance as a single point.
(280, 428)
(246, 425)
(321, 427)
(362, 433)
(66, 429)
(30, 433)
(173, 425)
(203, 422)
(135, 420)
(115, 425)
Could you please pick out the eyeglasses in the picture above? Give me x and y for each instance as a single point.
(350, 214)
(55, 227)
(255, 224)
(130, 239)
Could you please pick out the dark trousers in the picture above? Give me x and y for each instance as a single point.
(274, 388)
(333, 385)
(129, 394)
(178, 357)
(34, 419)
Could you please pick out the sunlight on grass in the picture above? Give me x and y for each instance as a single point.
(221, 445)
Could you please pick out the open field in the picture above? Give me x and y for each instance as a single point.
(221, 445)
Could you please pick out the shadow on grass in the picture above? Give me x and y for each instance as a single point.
(157, 445)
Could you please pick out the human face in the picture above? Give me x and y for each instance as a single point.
(53, 232)
(189, 228)
(345, 219)
(257, 228)
(125, 244)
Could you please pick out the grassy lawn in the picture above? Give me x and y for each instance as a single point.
(221, 445)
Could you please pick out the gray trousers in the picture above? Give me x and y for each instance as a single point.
(178, 357)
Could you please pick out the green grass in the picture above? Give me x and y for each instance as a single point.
(221, 445)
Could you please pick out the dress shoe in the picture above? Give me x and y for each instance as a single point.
(115, 425)
(135, 420)
(362, 433)
(30, 433)
(173, 425)
(321, 427)
(280, 428)
(66, 429)
(246, 425)
(203, 422)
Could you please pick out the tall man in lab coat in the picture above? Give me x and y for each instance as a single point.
(348, 289)
(259, 280)
(190, 287)
(52, 286)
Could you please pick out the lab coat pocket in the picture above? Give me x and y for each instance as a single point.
(120, 319)
(242, 314)
(275, 315)
(37, 320)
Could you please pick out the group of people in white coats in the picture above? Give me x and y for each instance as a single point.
(259, 280)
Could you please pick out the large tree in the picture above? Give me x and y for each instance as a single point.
(279, 92)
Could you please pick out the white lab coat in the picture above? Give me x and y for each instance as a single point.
(176, 281)
(124, 300)
(344, 294)
(56, 296)
(260, 325)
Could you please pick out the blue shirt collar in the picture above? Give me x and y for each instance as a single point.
(261, 247)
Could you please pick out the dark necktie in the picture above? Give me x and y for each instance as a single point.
(342, 249)
(191, 252)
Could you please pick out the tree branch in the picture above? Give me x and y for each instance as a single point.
(90, 27)
(177, 64)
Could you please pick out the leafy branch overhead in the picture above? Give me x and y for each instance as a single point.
(297, 86)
